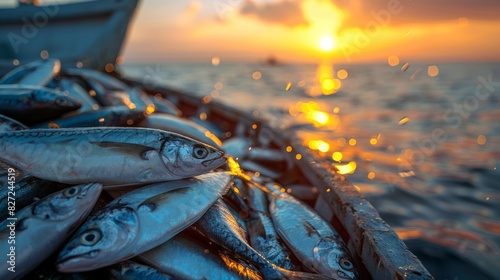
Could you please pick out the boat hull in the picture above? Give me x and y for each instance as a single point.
(87, 34)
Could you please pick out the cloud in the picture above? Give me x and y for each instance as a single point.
(288, 13)
(420, 11)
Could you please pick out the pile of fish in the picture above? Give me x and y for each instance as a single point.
(101, 179)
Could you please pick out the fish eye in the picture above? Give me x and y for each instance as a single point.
(61, 102)
(90, 237)
(70, 192)
(200, 152)
(346, 264)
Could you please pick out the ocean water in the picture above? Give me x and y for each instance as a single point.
(424, 147)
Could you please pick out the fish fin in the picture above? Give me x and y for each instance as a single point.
(20, 173)
(151, 202)
(310, 228)
(127, 149)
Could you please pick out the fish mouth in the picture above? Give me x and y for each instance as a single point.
(343, 275)
(209, 162)
(76, 263)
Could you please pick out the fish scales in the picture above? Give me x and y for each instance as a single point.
(312, 239)
(140, 221)
(177, 255)
(111, 156)
(54, 217)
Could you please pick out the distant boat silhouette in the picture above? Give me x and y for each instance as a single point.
(271, 61)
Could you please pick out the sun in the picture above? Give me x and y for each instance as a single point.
(326, 43)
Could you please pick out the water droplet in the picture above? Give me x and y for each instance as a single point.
(403, 120)
(405, 66)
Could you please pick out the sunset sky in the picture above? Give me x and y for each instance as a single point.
(344, 31)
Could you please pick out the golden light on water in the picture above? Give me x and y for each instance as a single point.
(326, 43)
(342, 74)
(319, 145)
(373, 141)
(324, 147)
(352, 142)
(256, 75)
(328, 86)
(288, 86)
(327, 82)
(481, 139)
(433, 71)
(344, 169)
(318, 118)
(371, 175)
(336, 110)
(337, 156)
(215, 61)
(393, 60)
(219, 86)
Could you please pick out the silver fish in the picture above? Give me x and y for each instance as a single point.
(74, 89)
(140, 221)
(164, 106)
(110, 156)
(182, 126)
(129, 270)
(113, 92)
(126, 270)
(8, 124)
(177, 256)
(37, 73)
(116, 116)
(220, 226)
(42, 227)
(261, 232)
(31, 104)
(28, 190)
(312, 239)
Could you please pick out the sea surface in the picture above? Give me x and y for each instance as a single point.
(422, 141)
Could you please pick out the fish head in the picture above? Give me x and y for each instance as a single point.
(67, 102)
(70, 202)
(57, 100)
(101, 241)
(333, 254)
(186, 157)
